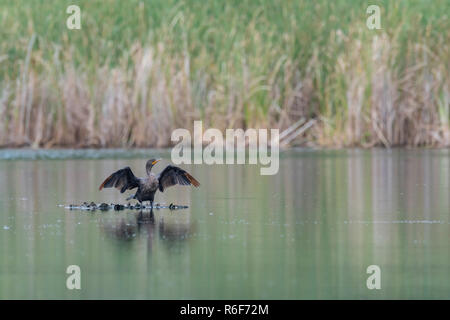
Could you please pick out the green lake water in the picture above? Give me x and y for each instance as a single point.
(308, 232)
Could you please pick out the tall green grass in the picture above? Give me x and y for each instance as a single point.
(139, 69)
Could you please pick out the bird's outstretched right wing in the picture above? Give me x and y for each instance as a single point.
(122, 179)
(171, 176)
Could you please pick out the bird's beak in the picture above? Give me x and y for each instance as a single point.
(155, 162)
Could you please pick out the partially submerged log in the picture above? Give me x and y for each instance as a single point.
(118, 207)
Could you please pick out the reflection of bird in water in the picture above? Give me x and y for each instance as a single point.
(124, 179)
(172, 230)
(123, 229)
(143, 218)
(129, 226)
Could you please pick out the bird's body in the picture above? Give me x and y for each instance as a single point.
(147, 188)
(124, 179)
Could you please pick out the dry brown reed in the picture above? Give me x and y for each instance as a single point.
(364, 101)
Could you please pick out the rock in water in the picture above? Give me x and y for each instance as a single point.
(103, 206)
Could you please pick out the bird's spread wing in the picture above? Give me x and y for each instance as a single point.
(171, 176)
(122, 179)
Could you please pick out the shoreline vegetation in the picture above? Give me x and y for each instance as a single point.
(137, 70)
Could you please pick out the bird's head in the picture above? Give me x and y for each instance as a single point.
(150, 164)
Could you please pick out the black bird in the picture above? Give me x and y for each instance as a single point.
(124, 179)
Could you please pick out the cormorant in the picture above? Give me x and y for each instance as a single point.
(124, 179)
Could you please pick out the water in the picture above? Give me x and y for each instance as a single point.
(309, 232)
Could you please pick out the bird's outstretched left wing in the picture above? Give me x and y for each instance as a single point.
(122, 179)
(171, 176)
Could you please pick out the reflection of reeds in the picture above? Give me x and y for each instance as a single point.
(265, 69)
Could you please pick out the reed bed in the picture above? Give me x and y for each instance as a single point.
(138, 70)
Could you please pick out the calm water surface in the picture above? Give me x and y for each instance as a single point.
(309, 232)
